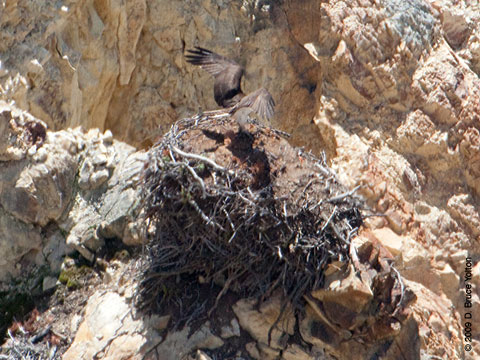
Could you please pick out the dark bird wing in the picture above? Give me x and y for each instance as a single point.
(211, 62)
(227, 74)
(260, 101)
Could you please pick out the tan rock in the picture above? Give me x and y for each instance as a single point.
(107, 320)
(391, 241)
(233, 329)
(20, 133)
(16, 240)
(261, 351)
(131, 21)
(435, 342)
(259, 323)
(266, 352)
(159, 322)
(178, 344)
(350, 292)
(462, 208)
(476, 274)
(202, 356)
(317, 330)
(252, 350)
(416, 264)
(450, 282)
(295, 352)
(41, 192)
(322, 336)
(125, 347)
(38, 190)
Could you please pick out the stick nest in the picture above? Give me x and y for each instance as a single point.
(243, 210)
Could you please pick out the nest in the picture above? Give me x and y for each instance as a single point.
(241, 210)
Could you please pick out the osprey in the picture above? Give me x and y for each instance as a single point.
(226, 89)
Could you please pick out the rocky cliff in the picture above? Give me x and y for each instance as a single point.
(389, 90)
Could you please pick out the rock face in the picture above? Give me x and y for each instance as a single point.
(65, 182)
(392, 88)
(120, 66)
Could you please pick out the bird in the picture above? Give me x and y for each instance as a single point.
(242, 116)
(226, 89)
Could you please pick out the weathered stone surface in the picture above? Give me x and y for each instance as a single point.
(450, 281)
(109, 329)
(295, 352)
(38, 189)
(89, 221)
(433, 316)
(54, 248)
(463, 209)
(20, 133)
(391, 241)
(202, 356)
(179, 344)
(120, 66)
(350, 291)
(40, 192)
(121, 202)
(357, 300)
(259, 322)
(233, 329)
(16, 240)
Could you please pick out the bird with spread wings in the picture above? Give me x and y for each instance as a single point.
(226, 89)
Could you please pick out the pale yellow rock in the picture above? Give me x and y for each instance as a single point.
(349, 291)
(252, 350)
(258, 323)
(268, 353)
(295, 352)
(416, 265)
(424, 309)
(125, 347)
(450, 282)
(159, 322)
(178, 344)
(390, 240)
(476, 274)
(463, 208)
(107, 320)
(131, 22)
(202, 356)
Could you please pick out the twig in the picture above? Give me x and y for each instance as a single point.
(323, 170)
(251, 203)
(344, 195)
(216, 113)
(198, 178)
(201, 158)
(402, 289)
(171, 155)
(310, 182)
(203, 216)
(36, 338)
(311, 208)
(351, 232)
(232, 225)
(329, 219)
